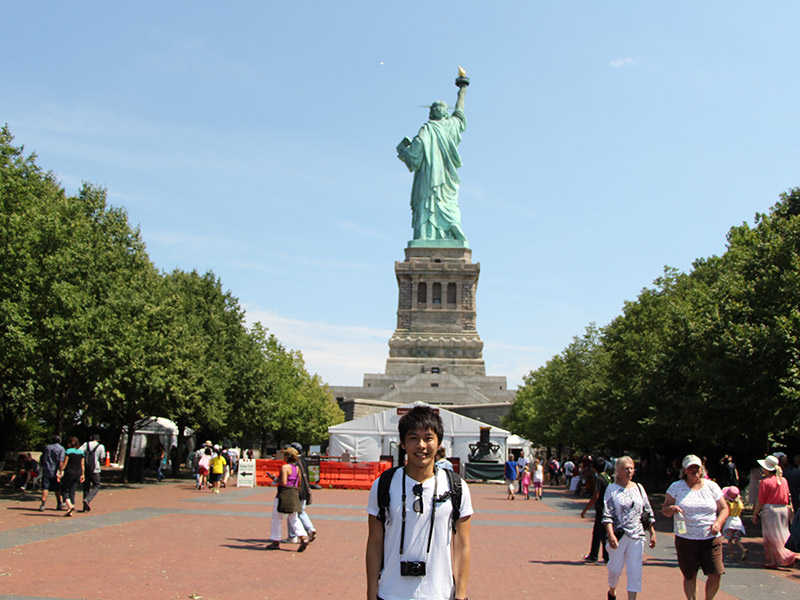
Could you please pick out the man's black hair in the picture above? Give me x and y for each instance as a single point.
(421, 417)
(56, 439)
(599, 464)
(95, 437)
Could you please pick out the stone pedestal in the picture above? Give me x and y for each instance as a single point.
(436, 314)
(435, 354)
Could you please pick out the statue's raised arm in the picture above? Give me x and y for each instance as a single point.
(462, 81)
(434, 159)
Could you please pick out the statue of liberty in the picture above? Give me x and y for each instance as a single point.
(433, 158)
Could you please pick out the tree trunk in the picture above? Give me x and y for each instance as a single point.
(7, 425)
(182, 424)
(128, 446)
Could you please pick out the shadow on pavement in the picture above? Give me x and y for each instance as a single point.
(249, 544)
(572, 563)
(35, 513)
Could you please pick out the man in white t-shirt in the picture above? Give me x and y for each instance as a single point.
(91, 482)
(568, 467)
(428, 556)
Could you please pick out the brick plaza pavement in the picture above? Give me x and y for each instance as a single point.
(168, 540)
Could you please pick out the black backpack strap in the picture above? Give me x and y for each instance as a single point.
(384, 498)
(384, 482)
(454, 481)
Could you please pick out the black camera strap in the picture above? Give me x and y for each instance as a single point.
(422, 502)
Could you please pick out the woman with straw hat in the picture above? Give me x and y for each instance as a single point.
(776, 514)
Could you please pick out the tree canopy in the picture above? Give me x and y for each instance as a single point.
(93, 335)
(706, 361)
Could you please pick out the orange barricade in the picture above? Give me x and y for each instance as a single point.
(267, 465)
(348, 476)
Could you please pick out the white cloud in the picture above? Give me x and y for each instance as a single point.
(500, 347)
(622, 62)
(513, 361)
(323, 263)
(361, 230)
(197, 243)
(117, 140)
(340, 354)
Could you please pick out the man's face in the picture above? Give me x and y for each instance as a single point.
(420, 446)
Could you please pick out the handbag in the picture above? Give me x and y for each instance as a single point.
(793, 543)
(645, 515)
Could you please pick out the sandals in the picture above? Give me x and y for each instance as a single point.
(69, 512)
(312, 535)
(303, 544)
(273, 546)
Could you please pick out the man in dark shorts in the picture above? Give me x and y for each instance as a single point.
(51, 460)
(601, 481)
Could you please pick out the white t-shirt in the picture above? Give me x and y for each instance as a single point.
(437, 584)
(699, 508)
(99, 453)
(538, 473)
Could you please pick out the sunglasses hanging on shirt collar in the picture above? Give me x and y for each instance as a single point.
(417, 491)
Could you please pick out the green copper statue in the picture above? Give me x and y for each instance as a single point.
(433, 158)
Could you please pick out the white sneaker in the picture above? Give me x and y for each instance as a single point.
(291, 540)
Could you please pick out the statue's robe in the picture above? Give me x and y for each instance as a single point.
(433, 158)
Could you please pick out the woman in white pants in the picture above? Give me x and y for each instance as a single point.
(626, 503)
(287, 502)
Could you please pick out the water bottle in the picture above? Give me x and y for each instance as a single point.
(680, 523)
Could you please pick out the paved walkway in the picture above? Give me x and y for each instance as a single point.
(168, 540)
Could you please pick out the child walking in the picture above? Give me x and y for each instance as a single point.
(525, 478)
(733, 530)
(538, 479)
(217, 468)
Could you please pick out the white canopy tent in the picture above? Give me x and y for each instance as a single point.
(516, 442)
(149, 432)
(367, 438)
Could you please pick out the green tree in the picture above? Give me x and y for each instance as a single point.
(565, 401)
(207, 337)
(706, 361)
(25, 190)
(68, 261)
(281, 401)
(753, 344)
(92, 334)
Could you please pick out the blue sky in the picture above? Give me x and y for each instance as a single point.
(605, 140)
